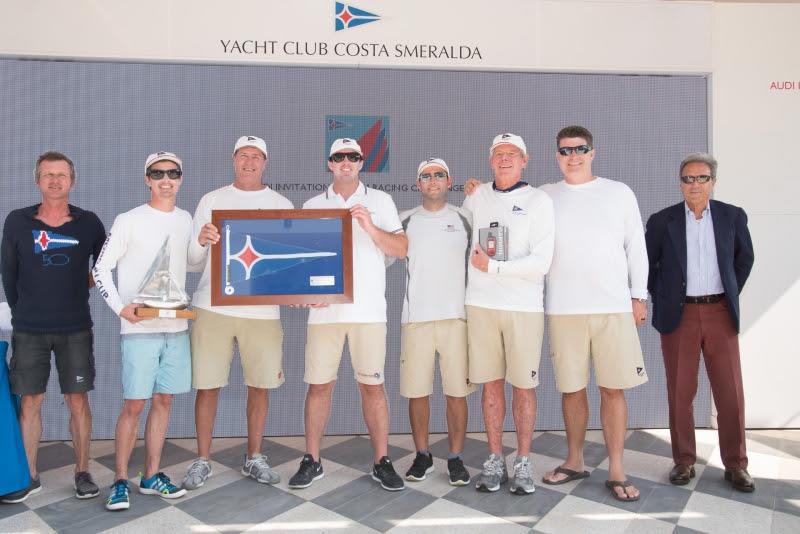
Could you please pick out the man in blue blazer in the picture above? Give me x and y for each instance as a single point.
(700, 255)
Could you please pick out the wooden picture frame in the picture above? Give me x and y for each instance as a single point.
(282, 257)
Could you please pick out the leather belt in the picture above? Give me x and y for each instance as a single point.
(704, 299)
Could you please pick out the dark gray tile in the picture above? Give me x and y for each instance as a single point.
(474, 454)
(364, 501)
(357, 453)
(277, 454)
(54, 455)
(507, 505)
(686, 530)
(787, 496)
(644, 442)
(556, 446)
(244, 502)
(171, 454)
(712, 482)
(7, 510)
(594, 489)
(666, 503)
(90, 515)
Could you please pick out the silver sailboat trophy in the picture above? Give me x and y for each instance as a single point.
(160, 295)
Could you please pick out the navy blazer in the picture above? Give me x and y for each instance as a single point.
(665, 236)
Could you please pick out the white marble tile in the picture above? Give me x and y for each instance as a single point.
(708, 513)
(443, 516)
(646, 525)
(25, 523)
(306, 518)
(574, 514)
(169, 519)
(785, 523)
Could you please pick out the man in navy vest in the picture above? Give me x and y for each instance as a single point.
(700, 256)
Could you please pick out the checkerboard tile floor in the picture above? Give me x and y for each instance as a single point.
(348, 500)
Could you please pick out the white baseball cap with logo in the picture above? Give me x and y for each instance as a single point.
(345, 143)
(162, 156)
(432, 162)
(250, 141)
(508, 139)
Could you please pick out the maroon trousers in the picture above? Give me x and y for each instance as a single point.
(707, 328)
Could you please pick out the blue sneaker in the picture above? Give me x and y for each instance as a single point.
(160, 484)
(119, 498)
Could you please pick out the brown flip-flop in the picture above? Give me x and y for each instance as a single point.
(611, 484)
(571, 475)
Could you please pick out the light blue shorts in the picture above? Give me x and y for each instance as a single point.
(156, 363)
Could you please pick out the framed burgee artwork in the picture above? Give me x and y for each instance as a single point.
(282, 257)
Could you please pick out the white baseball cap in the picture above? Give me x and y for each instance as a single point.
(250, 140)
(162, 156)
(431, 162)
(508, 139)
(343, 144)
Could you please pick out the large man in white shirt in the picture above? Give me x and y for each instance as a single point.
(434, 320)
(156, 360)
(377, 233)
(505, 311)
(596, 291)
(256, 329)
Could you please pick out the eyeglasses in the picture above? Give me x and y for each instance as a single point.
(439, 176)
(157, 174)
(509, 155)
(580, 149)
(351, 156)
(703, 178)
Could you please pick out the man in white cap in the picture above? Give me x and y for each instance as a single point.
(504, 303)
(434, 320)
(156, 359)
(377, 233)
(256, 329)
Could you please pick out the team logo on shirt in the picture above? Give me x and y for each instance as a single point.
(516, 210)
(44, 240)
(451, 228)
(640, 371)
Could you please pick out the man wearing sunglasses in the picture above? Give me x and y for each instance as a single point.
(504, 302)
(46, 251)
(156, 361)
(434, 319)
(596, 291)
(700, 255)
(377, 233)
(255, 329)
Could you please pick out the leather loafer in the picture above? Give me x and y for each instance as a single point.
(681, 474)
(740, 479)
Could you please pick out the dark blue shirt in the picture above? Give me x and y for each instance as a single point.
(46, 269)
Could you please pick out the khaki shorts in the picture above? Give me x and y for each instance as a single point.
(505, 344)
(260, 348)
(419, 344)
(325, 343)
(609, 339)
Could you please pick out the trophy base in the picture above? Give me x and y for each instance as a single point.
(161, 313)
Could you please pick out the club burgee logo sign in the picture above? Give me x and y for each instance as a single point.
(371, 132)
(348, 16)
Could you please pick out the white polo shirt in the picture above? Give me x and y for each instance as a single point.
(369, 267)
(436, 264)
(516, 284)
(229, 198)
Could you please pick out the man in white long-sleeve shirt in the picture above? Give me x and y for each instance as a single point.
(596, 291)
(156, 360)
(505, 311)
(256, 329)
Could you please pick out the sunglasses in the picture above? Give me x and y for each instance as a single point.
(351, 156)
(580, 149)
(703, 178)
(156, 174)
(439, 176)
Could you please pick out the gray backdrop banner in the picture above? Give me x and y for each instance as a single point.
(107, 117)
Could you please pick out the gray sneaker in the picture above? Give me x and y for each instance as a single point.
(494, 473)
(197, 474)
(258, 468)
(522, 481)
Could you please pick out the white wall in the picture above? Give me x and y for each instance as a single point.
(744, 46)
